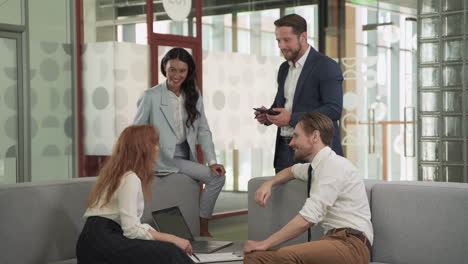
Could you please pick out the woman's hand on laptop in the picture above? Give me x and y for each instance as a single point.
(183, 244)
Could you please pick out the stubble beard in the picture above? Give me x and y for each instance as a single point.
(295, 54)
(298, 155)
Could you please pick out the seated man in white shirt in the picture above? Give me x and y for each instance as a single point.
(337, 202)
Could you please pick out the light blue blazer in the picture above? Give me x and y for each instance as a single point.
(154, 108)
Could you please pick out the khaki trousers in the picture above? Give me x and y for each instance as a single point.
(337, 248)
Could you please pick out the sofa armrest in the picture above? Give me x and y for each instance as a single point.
(285, 203)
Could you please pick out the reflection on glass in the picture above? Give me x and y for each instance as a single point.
(453, 102)
(429, 52)
(429, 151)
(453, 126)
(453, 173)
(429, 126)
(429, 173)
(430, 102)
(429, 6)
(452, 75)
(453, 50)
(453, 25)
(429, 27)
(429, 76)
(453, 151)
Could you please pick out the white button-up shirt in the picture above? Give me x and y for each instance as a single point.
(290, 84)
(125, 207)
(337, 195)
(179, 114)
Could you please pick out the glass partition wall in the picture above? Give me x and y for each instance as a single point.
(374, 44)
(240, 62)
(36, 91)
(379, 68)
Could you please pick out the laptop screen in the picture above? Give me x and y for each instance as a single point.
(171, 221)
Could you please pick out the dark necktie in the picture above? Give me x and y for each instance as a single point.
(309, 182)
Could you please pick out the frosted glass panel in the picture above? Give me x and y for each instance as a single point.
(429, 52)
(429, 77)
(453, 50)
(430, 102)
(453, 151)
(429, 28)
(453, 102)
(429, 151)
(430, 126)
(51, 87)
(8, 110)
(10, 12)
(453, 126)
(453, 25)
(452, 75)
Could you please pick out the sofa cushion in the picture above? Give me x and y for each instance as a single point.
(40, 222)
(420, 222)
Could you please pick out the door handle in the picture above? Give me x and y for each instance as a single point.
(411, 113)
(371, 127)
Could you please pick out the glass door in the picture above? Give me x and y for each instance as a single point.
(379, 122)
(10, 119)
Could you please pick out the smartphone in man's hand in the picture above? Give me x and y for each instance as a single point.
(267, 111)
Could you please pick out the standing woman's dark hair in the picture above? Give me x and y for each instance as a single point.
(188, 86)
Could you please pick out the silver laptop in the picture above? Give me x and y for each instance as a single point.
(171, 221)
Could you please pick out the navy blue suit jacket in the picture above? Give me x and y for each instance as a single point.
(318, 90)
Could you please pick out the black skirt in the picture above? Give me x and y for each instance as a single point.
(102, 241)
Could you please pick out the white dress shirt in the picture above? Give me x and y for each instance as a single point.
(337, 195)
(180, 115)
(290, 84)
(125, 207)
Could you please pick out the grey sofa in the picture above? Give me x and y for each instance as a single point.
(40, 222)
(414, 222)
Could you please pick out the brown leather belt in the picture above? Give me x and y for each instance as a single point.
(356, 233)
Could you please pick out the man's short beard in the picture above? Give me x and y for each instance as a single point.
(295, 54)
(299, 157)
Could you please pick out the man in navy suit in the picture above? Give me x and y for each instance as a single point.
(307, 82)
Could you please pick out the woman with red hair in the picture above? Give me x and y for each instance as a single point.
(113, 232)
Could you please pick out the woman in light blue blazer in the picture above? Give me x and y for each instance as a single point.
(175, 107)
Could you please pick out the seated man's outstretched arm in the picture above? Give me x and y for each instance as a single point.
(295, 227)
(263, 193)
